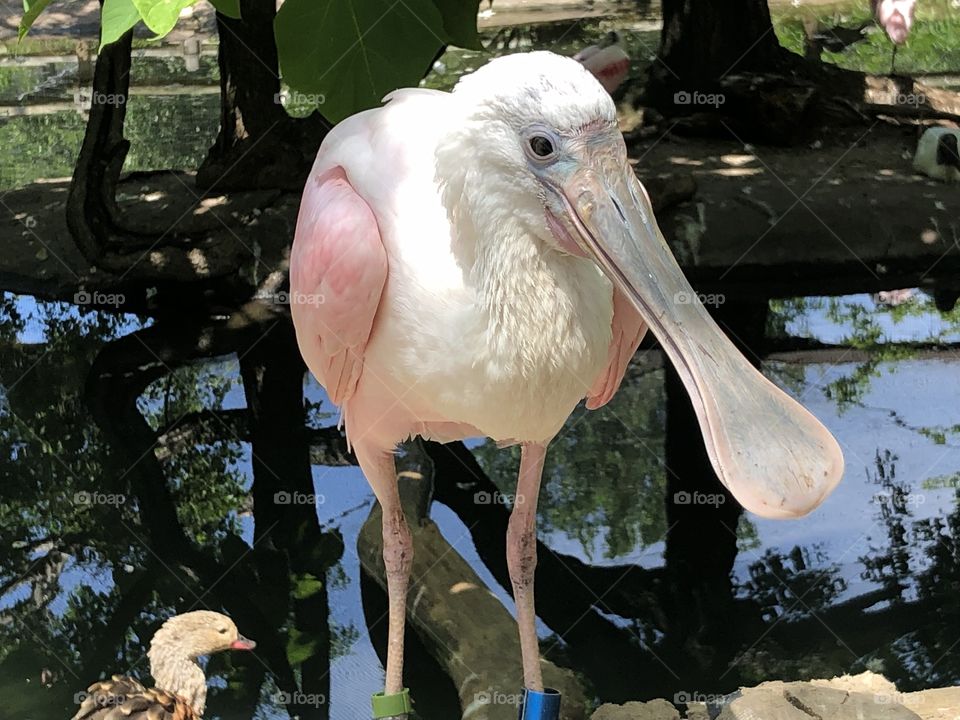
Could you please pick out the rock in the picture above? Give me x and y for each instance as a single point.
(867, 682)
(867, 696)
(697, 711)
(939, 704)
(653, 710)
(761, 704)
(824, 702)
(807, 701)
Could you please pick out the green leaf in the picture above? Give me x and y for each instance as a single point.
(116, 18)
(460, 22)
(161, 15)
(230, 8)
(350, 53)
(300, 647)
(306, 585)
(31, 9)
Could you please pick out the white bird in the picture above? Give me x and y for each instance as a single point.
(937, 154)
(608, 62)
(476, 263)
(894, 298)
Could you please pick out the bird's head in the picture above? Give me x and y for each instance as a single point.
(896, 18)
(198, 633)
(544, 146)
(521, 130)
(178, 643)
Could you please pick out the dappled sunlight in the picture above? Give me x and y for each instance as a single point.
(157, 259)
(199, 262)
(462, 587)
(685, 161)
(738, 160)
(738, 172)
(208, 203)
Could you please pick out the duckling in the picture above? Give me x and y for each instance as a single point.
(181, 687)
(938, 154)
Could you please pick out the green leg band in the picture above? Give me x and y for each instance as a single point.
(385, 706)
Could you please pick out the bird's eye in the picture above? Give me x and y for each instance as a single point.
(222, 631)
(541, 146)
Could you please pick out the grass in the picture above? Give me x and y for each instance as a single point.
(933, 45)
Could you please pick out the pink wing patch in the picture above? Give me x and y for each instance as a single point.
(628, 330)
(338, 267)
(609, 65)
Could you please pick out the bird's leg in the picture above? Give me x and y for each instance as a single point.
(522, 559)
(893, 60)
(381, 472)
(397, 559)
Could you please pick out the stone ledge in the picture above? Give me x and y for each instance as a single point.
(867, 696)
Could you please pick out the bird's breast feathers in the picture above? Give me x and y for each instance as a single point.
(507, 334)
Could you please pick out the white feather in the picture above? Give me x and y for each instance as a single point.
(482, 320)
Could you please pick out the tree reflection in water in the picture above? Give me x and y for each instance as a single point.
(141, 465)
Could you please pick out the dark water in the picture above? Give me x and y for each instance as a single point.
(868, 581)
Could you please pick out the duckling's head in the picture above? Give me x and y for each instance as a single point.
(180, 641)
(201, 632)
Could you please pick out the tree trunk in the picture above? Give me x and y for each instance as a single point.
(259, 144)
(285, 505)
(91, 204)
(721, 71)
(573, 599)
(703, 41)
(721, 68)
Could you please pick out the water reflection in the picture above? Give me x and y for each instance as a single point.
(145, 467)
(140, 484)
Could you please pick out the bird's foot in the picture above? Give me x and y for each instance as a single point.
(540, 705)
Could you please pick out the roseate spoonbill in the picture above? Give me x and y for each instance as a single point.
(937, 154)
(608, 62)
(896, 18)
(181, 687)
(475, 263)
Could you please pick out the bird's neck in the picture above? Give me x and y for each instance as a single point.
(539, 304)
(521, 282)
(174, 671)
(510, 269)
